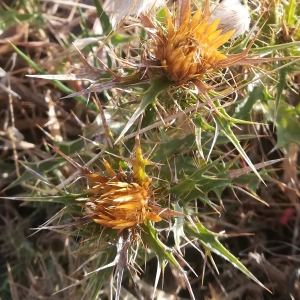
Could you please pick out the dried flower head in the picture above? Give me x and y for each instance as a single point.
(191, 50)
(121, 201)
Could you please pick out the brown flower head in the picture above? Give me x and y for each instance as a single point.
(191, 50)
(119, 201)
(124, 200)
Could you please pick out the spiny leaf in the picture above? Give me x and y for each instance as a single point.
(40, 167)
(96, 280)
(255, 93)
(281, 85)
(270, 49)
(65, 199)
(210, 241)
(225, 128)
(57, 83)
(287, 123)
(157, 86)
(239, 172)
(163, 253)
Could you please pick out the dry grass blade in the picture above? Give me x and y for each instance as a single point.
(246, 170)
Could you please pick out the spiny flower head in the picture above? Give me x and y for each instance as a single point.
(122, 200)
(191, 50)
(118, 201)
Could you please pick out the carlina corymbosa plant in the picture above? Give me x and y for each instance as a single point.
(174, 92)
(124, 202)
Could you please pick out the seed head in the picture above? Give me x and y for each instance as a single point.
(233, 14)
(123, 8)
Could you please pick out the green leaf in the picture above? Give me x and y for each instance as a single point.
(157, 86)
(149, 236)
(288, 126)
(244, 108)
(225, 128)
(178, 230)
(250, 181)
(196, 184)
(287, 123)
(57, 83)
(40, 167)
(118, 39)
(281, 85)
(97, 280)
(270, 49)
(104, 20)
(290, 13)
(18, 12)
(166, 149)
(163, 253)
(209, 240)
(72, 147)
(65, 199)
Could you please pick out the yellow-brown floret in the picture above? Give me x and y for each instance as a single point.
(191, 50)
(117, 202)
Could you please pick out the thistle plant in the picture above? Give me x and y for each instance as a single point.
(165, 111)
